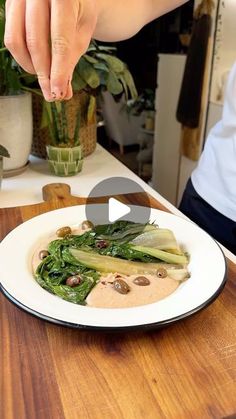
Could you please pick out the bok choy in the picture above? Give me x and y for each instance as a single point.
(124, 247)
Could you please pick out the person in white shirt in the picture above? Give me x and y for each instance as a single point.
(210, 195)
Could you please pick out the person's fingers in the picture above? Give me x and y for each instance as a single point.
(84, 29)
(14, 37)
(37, 39)
(70, 39)
(63, 33)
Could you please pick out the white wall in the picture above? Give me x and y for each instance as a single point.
(166, 153)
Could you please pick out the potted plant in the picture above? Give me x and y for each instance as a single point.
(98, 70)
(64, 152)
(15, 107)
(3, 153)
(143, 104)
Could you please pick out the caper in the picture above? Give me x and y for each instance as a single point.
(43, 254)
(74, 280)
(101, 244)
(64, 231)
(142, 281)
(162, 273)
(121, 286)
(87, 224)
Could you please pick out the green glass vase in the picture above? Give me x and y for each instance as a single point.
(65, 161)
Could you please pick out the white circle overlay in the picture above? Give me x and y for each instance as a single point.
(207, 268)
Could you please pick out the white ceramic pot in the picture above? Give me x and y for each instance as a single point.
(16, 129)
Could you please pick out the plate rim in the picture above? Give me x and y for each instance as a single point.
(146, 326)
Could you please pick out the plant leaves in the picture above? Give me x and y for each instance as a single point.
(125, 87)
(88, 73)
(91, 108)
(114, 63)
(78, 83)
(102, 67)
(46, 115)
(90, 59)
(114, 86)
(130, 83)
(2, 22)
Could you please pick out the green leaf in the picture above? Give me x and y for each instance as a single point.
(88, 73)
(125, 87)
(58, 106)
(78, 83)
(106, 48)
(90, 59)
(102, 67)
(2, 22)
(45, 116)
(114, 63)
(113, 84)
(91, 108)
(3, 151)
(77, 127)
(130, 83)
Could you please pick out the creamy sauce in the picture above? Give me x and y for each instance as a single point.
(104, 295)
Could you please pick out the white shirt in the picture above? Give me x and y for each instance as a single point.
(214, 179)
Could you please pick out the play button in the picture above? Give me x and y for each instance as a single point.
(122, 202)
(117, 210)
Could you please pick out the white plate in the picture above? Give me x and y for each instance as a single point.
(207, 267)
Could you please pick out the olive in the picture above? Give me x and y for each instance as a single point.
(101, 244)
(162, 273)
(64, 231)
(142, 281)
(74, 280)
(43, 254)
(87, 224)
(121, 286)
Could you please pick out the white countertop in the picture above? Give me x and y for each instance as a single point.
(26, 188)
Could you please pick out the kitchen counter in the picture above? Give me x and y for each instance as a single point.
(26, 188)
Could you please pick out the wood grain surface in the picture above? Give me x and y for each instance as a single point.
(187, 370)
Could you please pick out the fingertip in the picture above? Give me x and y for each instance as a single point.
(44, 83)
(29, 69)
(69, 93)
(58, 87)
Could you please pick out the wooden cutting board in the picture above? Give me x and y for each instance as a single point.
(187, 370)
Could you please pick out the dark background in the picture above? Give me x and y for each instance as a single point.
(160, 36)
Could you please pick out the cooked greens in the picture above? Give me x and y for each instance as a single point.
(124, 247)
(126, 267)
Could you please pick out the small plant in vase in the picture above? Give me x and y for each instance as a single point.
(97, 71)
(65, 155)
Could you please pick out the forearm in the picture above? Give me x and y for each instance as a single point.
(121, 19)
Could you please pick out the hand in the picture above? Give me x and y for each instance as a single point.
(48, 37)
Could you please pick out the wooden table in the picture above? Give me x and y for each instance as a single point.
(184, 371)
